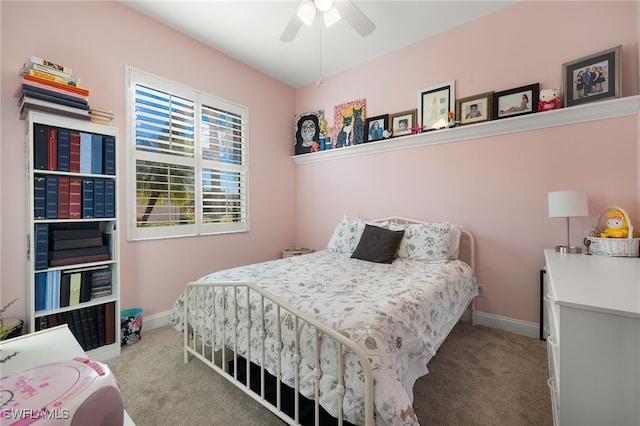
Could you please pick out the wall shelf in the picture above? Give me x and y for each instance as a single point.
(613, 108)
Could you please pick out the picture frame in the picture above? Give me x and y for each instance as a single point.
(474, 109)
(604, 82)
(307, 131)
(434, 104)
(375, 126)
(402, 123)
(348, 123)
(515, 102)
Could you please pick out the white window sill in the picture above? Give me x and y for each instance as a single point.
(577, 114)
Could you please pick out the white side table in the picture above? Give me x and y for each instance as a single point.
(48, 346)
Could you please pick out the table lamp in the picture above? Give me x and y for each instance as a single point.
(568, 204)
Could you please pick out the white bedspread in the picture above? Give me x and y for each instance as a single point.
(399, 313)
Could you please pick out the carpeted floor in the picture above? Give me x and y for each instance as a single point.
(480, 376)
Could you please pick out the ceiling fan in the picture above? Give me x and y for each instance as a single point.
(331, 12)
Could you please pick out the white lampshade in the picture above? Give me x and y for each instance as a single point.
(330, 16)
(568, 204)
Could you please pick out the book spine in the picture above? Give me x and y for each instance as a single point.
(75, 198)
(110, 323)
(110, 198)
(96, 154)
(39, 197)
(101, 325)
(50, 108)
(50, 77)
(92, 318)
(41, 245)
(98, 198)
(85, 286)
(55, 99)
(47, 82)
(87, 251)
(109, 155)
(65, 290)
(63, 197)
(52, 320)
(85, 153)
(77, 325)
(83, 231)
(79, 260)
(87, 198)
(74, 288)
(51, 196)
(74, 151)
(51, 71)
(52, 161)
(77, 243)
(64, 146)
(84, 319)
(40, 290)
(34, 60)
(40, 147)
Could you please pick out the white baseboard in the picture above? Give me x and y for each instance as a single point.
(511, 325)
(155, 321)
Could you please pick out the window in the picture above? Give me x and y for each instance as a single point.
(187, 161)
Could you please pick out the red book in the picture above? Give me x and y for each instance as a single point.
(74, 152)
(53, 148)
(63, 197)
(75, 198)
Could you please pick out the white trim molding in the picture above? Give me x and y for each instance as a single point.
(613, 108)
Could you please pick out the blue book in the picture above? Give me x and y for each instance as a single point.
(98, 198)
(40, 290)
(39, 197)
(96, 154)
(109, 198)
(48, 303)
(109, 155)
(40, 147)
(56, 289)
(87, 198)
(41, 246)
(85, 152)
(63, 149)
(51, 197)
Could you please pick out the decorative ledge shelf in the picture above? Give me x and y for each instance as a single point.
(613, 108)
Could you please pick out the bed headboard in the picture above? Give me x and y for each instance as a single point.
(466, 247)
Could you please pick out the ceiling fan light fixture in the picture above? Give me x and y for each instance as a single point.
(324, 5)
(330, 17)
(307, 12)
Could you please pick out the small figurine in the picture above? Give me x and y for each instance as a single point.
(549, 99)
(617, 226)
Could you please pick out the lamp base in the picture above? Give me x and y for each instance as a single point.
(568, 249)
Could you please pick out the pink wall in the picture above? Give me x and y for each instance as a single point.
(97, 39)
(494, 186)
(497, 187)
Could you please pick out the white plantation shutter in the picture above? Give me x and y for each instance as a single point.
(187, 182)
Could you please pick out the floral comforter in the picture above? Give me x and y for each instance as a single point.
(398, 313)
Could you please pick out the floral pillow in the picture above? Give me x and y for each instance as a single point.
(347, 234)
(432, 242)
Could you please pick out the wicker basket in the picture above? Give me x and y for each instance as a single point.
(621, 247)
(297, 251)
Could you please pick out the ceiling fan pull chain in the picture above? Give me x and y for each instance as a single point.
(319, 63)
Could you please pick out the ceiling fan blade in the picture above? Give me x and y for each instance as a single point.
(291, 30)
(355, 17)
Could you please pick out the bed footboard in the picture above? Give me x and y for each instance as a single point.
(227, 323)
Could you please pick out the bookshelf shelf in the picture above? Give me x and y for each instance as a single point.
(73, 257)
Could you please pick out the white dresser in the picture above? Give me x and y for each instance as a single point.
(593, 308)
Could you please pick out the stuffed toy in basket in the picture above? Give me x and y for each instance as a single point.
(616, 237)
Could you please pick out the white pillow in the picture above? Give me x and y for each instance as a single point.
(347, 234)
(431, 242)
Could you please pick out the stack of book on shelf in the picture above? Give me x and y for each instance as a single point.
(100, 116)
(62, 244)
(58, 289)
(49, 87)
(93, 326)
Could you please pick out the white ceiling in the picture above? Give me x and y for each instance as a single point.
(249, 31)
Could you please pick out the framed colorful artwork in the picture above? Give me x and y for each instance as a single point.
(402, 123)
(348, 123)
(474, 109)
(513, 102)
(434, 105)
(375, 127)
(592, 78)
(308, 128)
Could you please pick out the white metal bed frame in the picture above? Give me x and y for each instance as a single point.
(194, 342)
